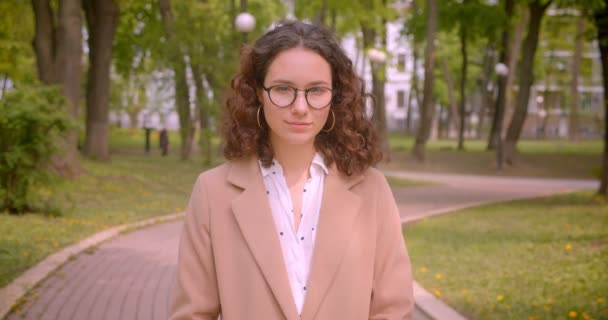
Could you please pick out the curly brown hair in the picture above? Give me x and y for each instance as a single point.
(352, 143)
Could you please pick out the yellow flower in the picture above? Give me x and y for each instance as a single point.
(423, 269)
(437, 293)
(500, 297)
(438, 276)
(464, 291)
(568, 247)
(572, 314)
(547, 308)
(600, 300)
(585, 316)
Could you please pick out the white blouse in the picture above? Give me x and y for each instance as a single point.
(297, 246)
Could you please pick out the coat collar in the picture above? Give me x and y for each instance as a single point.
(252, 211)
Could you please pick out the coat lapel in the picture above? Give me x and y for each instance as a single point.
(254, 217)
(339, 210)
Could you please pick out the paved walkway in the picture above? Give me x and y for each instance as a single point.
(129, 277)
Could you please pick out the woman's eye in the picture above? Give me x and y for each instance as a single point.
(282, 89)
(316, 90)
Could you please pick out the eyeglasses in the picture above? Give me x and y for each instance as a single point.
(283, 96)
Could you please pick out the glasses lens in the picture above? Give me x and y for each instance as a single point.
(282, 96)
(318, 97)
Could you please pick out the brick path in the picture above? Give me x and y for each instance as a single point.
(130, 276)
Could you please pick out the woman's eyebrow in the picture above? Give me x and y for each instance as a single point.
(313, 83)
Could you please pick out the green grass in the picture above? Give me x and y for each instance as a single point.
(529, 259)
(131, 187)
(593, 147)
(541, 158)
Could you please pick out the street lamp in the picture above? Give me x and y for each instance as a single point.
(376, 56)
(502, 71)
(244, 23)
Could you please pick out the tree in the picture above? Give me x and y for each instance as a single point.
(182, 96)
(601, 23)
(428, 109)
(575, 68)
(102, 20)
(58, 47)
(537, 10)
(17, 60)
(473, 19)
(31, 119)
(499, 109)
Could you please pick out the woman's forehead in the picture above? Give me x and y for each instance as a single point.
(299, 66)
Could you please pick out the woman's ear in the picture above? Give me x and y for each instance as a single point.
(260, 93)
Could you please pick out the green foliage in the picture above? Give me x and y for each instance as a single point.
(16, 33)
(31, 121)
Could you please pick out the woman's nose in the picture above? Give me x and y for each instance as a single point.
(300, 104)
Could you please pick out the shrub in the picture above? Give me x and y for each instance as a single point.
(32, 119)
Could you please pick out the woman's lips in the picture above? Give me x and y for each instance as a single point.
(298, 124)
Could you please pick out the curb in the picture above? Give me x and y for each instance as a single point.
(13, 292)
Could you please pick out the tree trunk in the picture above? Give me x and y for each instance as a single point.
(513, 55)
(526, 79)
(45, 41)
(414, 91)
(322, 14)
(102, 20)
(463, 85)
(58, 47)
(202, 105)
(601, 22)
(453, 118)
(378, 74)
(576, 63)
(487, 96)
(427, 111)
(182, 99)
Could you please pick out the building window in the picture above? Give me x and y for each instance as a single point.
(400, 99)
(401, 62)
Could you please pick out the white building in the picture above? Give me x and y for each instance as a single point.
(399, 67)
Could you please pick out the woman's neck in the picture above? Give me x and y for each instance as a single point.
(295, 159)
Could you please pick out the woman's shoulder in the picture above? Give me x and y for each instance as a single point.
(226, 169)
(374, 176)
(217, 171)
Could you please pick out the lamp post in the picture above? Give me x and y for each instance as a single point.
(502, 71)
(376, 56)
(244, 21)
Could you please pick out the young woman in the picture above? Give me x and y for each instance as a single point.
(297, 224)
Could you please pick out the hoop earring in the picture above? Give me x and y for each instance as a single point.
(333, 123)
(258, 117)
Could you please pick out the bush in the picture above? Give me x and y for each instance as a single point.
(31, 121)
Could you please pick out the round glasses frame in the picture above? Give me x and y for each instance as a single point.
(295, 96)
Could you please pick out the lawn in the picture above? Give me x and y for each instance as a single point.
(530, 259)
(537, 158)
(131, 187)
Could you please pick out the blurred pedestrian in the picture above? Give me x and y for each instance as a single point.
(296, 224)
(163, 138)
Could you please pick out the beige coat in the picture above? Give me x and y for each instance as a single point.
(230, 259)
